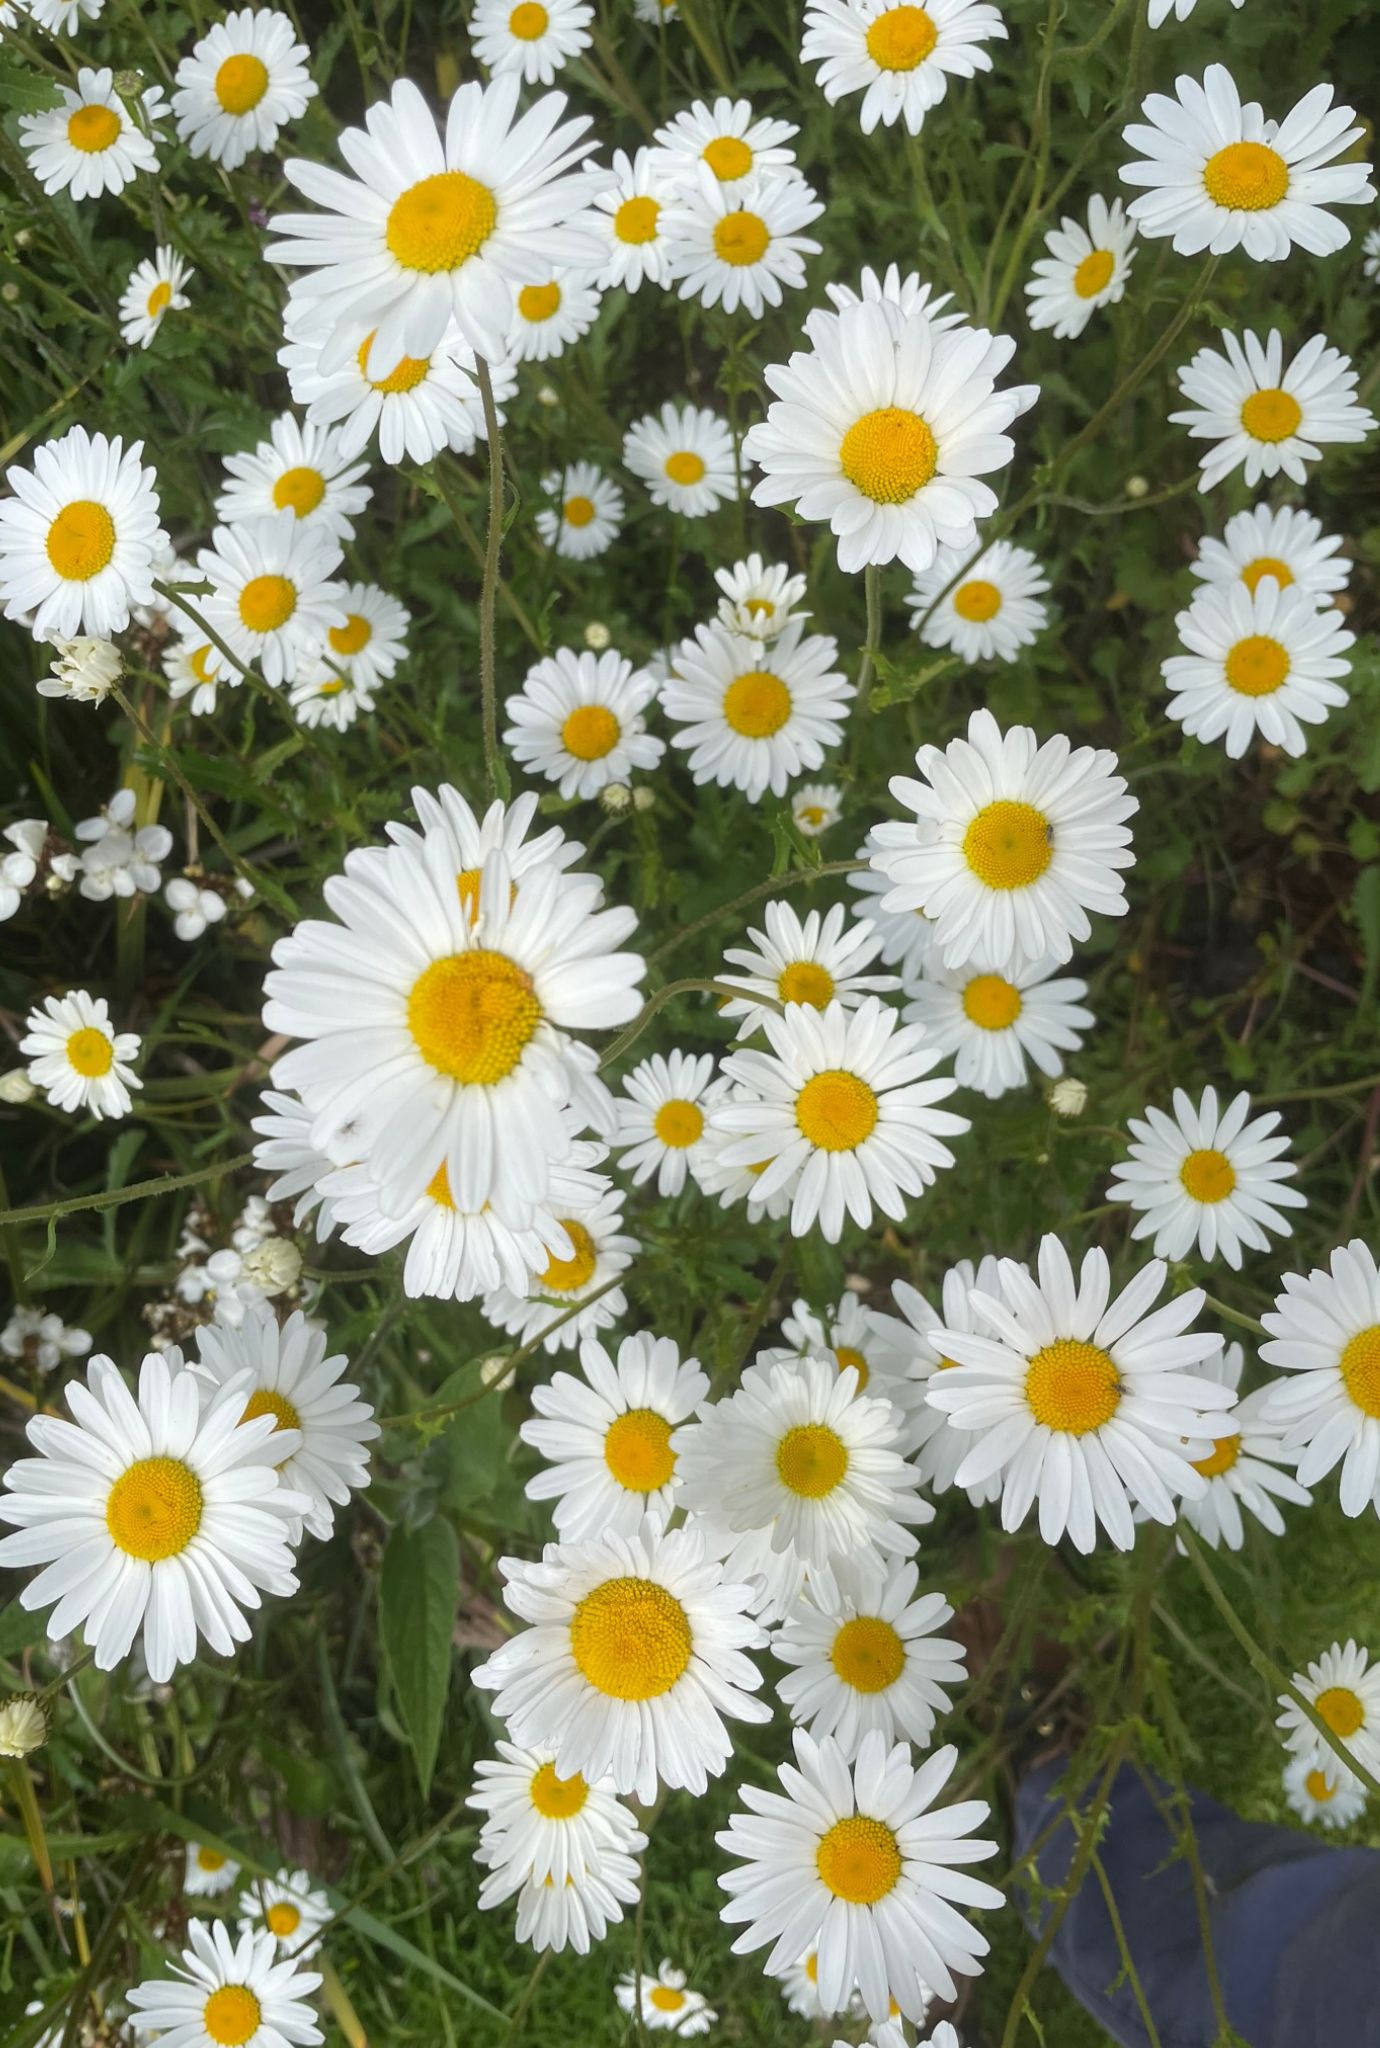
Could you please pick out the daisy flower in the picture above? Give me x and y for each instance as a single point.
(79, 537)
(754, 714)
(367, 649)
(1208, 1176)
(426, 404)
(574, 1914)
(324, 696)
(815, 806)
(856, 1860)
(815, 961)
(852, 1335)
(300, 469)
(740, 245)
(289, 1909)
(630, 221)
(759, 599)
(1242, 1469)
(159, 1517)
(868, 1658)
(907, 936)
(60, 18)
(1265, 417)
(661, 1119)
(534, 38)
(1086, 1402)
(599, 1252)
(542, 1825)
(994, 1023)
(900, 57)
(1260, 661)
(656, 11)
(991, 611)
(469, 840)
(86, 670)
(242, 82)
(1326, 1793)
(666, 2006)
(907, 1353)
(1086, 268)
(208, 1872)
(1344, 1686)
(273, 595)
(588, 514)
(1284, 543)
(225, 1990)
(684, 455)
(90, 144)
(1160, 10)
(154, 289)
(578, 720)
(634, 1657)
(728, 139)
(550, 313)
(1325, 1330)
(736, 1183)
(883, 428)
(77, 1058)
(906, 292)
(1219, 176)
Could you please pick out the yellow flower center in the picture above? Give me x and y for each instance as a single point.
(303, 489)
(666, 1998)
(684, 466)
(92, 129)
(728, 157)
(1246, 177)
(590, 732)
(90, 1052)
(231, 2015)
(631, 1639)
(1318, 1788)
(1271, 415)
(332, 689)
(241, 83)
(868, 1654)
(859, 1859)
(991, 1003)
(355, 634)
(1266, 565)
(901, 39)
(811, 1460)
(200, 662)
(283, 1919)
(266, 603)
(977, 601)
(81, 540)
(1072, 1386)
(759, 608)
(1207, 1175)
(1257, 666)
(805, 981)
(889, 454)
(637, 1450)
(836, 1111)
(741, 238)
(440, 222)
(264, 1402)
(810, 814)
(528, 20)
(158, 299)
(1360, 1369)
(472, 1015)
(578, 511)
(558, 1798)
(154, 1509)
(209, 1860)
(1008, 845)
(1342, 1710)
(636, 219)
(757, 704)
(1094, 273)
(846, 1356)
(811, 1966)
(537, 302)
(679, 1123)
(567, 1276)
(1223, 1455)
(408, 375)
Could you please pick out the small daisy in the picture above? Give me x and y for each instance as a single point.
(993, 1023)
(740, 245)
(240, 86)
(1284, 543)
(273, 599)
(1242, 1469)
(685, 457)
(196, 669)
(736, 1183)
(665, 2004)
(579, 721)
(1325, 1332)
(1344, 1686)
(1086, 268)
(990, 612)
(759, 599)
(323, 696)
(906, 292)
(208, 1872)
(289, 1909)
(728, 139)
(1263, 661)
(1207, 1176)
(1219, 176)
(661, 1119)
(367, 649)
(800, 1987)
(425, 404)
(900, 57)
(550, 313)
(630, 220)
(656, 11)
(535, 38)
(154, 289)
(90, 144)
(228, 1991)
(77, 1058)
(853, 1336)
(816, 961)
(79, 537)
(542, 1825)
(60, 18)
(285, 1150)
(815, 806)
(938, 1447)
(1326, 1794)
(753, 714)
(907, 936)
(589, 512)
(574, 1914)
(301, 469)
(599, 1252)
(1266, 418)
(868, 1658)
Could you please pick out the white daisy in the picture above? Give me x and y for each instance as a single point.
(630, 221)
(551, 311)
(121, 858)
(425, 404)
(85, 670)
(367, 649)
(1208, 1176)
(664, 2002)
(634, 1658)
(302, 469)
(740, 245)
(1087, 1402)
(91, 143)
(994, 1023)
(1371, 251)
(285, 1150)
(60, 18)
(658, 12)
(240, 85)
(684, 455)
(853, 1336)
(936, 1444)
(759, 599)
(600, 1250)
(899, 56)
(800, 1987)
(227, 1991)
(79, 537)
(1325, 1331)
(1344, 1686)
(579, 721)
(1324, 1793)
(196, 669)
(907, 936)
(77, 1058)
(1219, 176)
(728, 139)
(469, 840)
(1281, 542)
(815, 961)
(991, 612)
(1266, 418)
(754, 714)
(867, 1657)
(1160, 10)
(905, 291)
(154, 289)
(208, 1871)
(1086, 268)
(273, 596)
(736, 1183)
(588, 514)
(289, 1909)
(535, 38)
(573, 1914)
(815, 806)
(542, 1825)
(661, 1119)
(1263, 661)
(1243, 1468)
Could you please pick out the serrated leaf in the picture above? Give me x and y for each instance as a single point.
(417, 1599)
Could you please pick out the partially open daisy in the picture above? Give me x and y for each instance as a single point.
(534, 38)
(600, 1250)
(1282, 542)
(740, 245)
(1207, 1175)
(290, 1909)
(1267, 416)
(1324, 1792)
(1265, 661)
(1086, 268)
(728, 139)
(585, 515)
(1325, 1332)
(753, 714)
(1344, 1686)
(240, 85)
(1248, 1466)
(80, 540)
(301, 469)
(661, 1119)
(908, 1352)
(208, 1871)
(853, 1336)
(815, 806)
(226, 1993)
(759, 598)
(866, 1656)
(634, 1656)
(994, 1023)
(684, 455)
(91, 143)
(542, 1825)
(630, 220)
(273, 595)
(989, 612)
(77, 1057)
(579, 720)
(816, 960)
(664, 2001)
(1219, 176)
(899, 56)
(551, 309)
(423, 405)
(154, 289)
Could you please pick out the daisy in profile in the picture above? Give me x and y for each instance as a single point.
(634, 1656)
(630, 220)
(229, 1991)
(273, 595)
(1084, 1402)
(79, 537)
(994, 1024)
(290, 1909)
(815, 806)
(549, 313)
(91, 143)
(754, 714)
(883, 429)
(196, 669)
(573, 1914)
(665, 2003)
(815, 961)
(423, 405)
(863, 1851)
(158, 1517)
(600, 1250)
(1324, 1793)
(1248, 1467)
(1207, 1176)
(579, 721)
(240, 85)
(1344, 1686)
(367, 649)
(77, 1058)
(908, 1353)
(867, 1656)
(852, 1336)
(534, 38)
(1266, 416)
(661, 1119)
(543, 1825)
(301, 469)
(684, 455)
(900, 57)
(907, 936)
(1014, 842)
(1265, 661)
(208, 1871)
(990, 611)
(759, 598)
(327, 696)
(741, 245)
(1325, 1332)
(1282, 542)
(1086, 268)
(1219, 176)
(728, 139)
(585, 515)
(154, 289)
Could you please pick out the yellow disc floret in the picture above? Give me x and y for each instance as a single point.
(637, 1450)
(868, 1654)
(859, 1859)
(81, 540)
(1072, 1386)
(631, 1639)
(836, 1110)
(1246, 177)
(811, 1460)
(154, 1509)
(901, 38)
(472, 1015)
(440, 222)
(241, 83)
(1008, 845)
(1207, 1175)
(889, 454)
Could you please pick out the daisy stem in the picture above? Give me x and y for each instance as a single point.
(137, 13)
(706, 45)
(872, 640)
(618, 82)
(659, 1000)
(475, 546)
(773, 886)
(488, 590)
(26, 1799)
(1147, 2019)
(167, 1184)
(1234, 1315)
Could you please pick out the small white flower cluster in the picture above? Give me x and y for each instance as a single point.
(39, 860)
(257, 1265)
(121, 858)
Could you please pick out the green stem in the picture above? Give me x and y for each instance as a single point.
(775, 885)
(488, 592)
(660, 999)
(49, 1212)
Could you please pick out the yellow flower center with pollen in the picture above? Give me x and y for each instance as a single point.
(353, 636)
(741, 238)
(590, 732)
(527, 21)
(566, 1276)
(1008, 845)
(631, 1639)
(901, 38)
(836, 1111)
(283, 1920)
(991, 1002)
(868, 1654)
(440, 222)
(266, 603)
(636, 219)
(805, 981)
(201, 662)
(241, 83)
(1246, 177)
(683, 466)
(1257, 666)
(92, 129)
(846, 1356)
(728, 157)
(637, 1450)
(90, 1052)
(231, 2015)
(578, 511)
(1207, 1175)
(81, 540)
(1094, 273)
(1360, 1369)
(471, 1016)
(859, 1859)
(264, 1402)
(209, 1860)
(558, 1798)
(977, 601)
(1271, 415)
(811, 814)
(1318, 1788)
(302, 489)
(1263, 566)
(889, 454)
(154, 1509)
(757, 704)
(159, 298)
(666, 1998)
(1223, 1455)
(538, 302)
(408, 375)
(1342, 1710)
(811, 1460)
(1072, 1386)
(679, 1123)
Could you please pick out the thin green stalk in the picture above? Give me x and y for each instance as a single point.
(488, 591)
(776, 885)
(168, 1184)
(658, 1001)
(1234, 1315)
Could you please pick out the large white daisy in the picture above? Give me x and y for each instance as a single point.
(816, 960)
(579, 720)
(1281, 542)
(865, 1655)
(1207, 1176)
(989, 611)
(274, 597)
(1086, 268)
(240, 85)
(1264, 661)
(755, 714)
(1264, 415)
(994, 1023)
(1325, 1331)
(301, 468)
(80, 541)
(226, 1993)
(899, 56)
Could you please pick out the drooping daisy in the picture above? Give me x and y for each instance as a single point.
(855, 1861)
(665, 2003)
(273, 595)
(866, 1657)
(852, 1335)
(367, 649)
(740, 245)
(290, 1909)
(600, 1251)
(227, 1991)
(1208, 1176)
(154, 289)
(1014, 842)
(820, 959)
(1086, 1402)
(1344, 1686)
(991, 612)
(907, 1353)
(1325, 1332)
(1275, 541)
(1324, 1793)
(573, 1914)
(1219, 176)
(759, 598)
(1086, 268)
(661, 1119)
(208, 1871)
(1263, 661)
(907, 935)
(157, 1517)
(535, 38)
(76, 1056)
(684, 455)
(301, 469)
(630, 220)
(90, 144)
(1265, 417)
(728, 140)
(425, 404)
(994, 1023)
(240, 85)
(815, 806)
(550, 311)
(906, 292)
(899, 56)
(634, 1657)
(579, 721)
(755, 714)
(79, 537)
(587, 515)
(1244, 1467)
(543, 1825)
(883, 429)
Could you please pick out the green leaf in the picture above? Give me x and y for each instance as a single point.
(25, 93)
(418, 1592)
(384, 1937)
(18, 1629)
